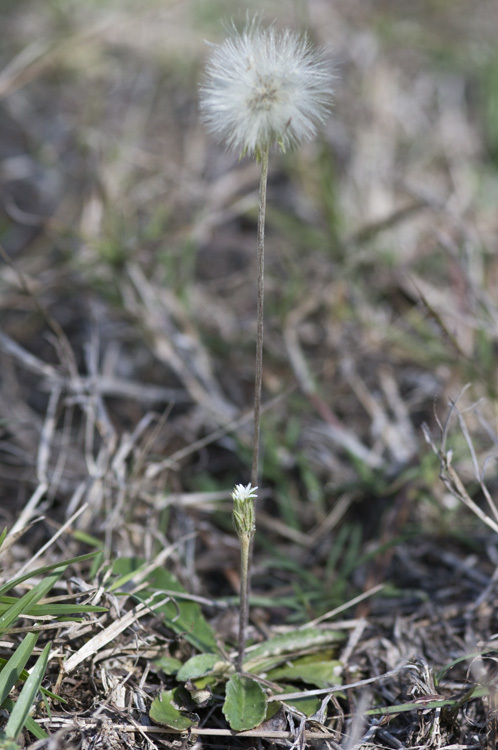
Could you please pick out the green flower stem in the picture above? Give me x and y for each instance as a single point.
(245, 553)
(258, 380)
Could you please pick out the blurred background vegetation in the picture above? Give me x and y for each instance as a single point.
(127, 292)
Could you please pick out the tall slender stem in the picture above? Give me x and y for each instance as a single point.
(258, 380)
(246, 538)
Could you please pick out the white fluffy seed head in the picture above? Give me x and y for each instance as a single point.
(263, 87)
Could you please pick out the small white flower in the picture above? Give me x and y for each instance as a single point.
(242, 493)
(243, 509)
(264, 87)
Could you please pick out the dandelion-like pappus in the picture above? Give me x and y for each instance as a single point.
(264, 86)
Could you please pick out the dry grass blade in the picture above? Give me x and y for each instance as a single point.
(109, 634)
(450, 476)
(179, 349)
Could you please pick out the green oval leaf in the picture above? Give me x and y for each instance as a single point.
(168, 709)
(313, 671)
(274, 651)
(198, 666)
(308, 705)
(168, 664)
(245, 703)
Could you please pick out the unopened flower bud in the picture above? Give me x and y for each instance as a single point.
(243, 510)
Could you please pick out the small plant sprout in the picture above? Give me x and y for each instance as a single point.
(243, 519)
(264, 88)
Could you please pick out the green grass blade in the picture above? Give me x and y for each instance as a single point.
(35, 729)
(24, 676)
(12, 670)
(45, 569)
(24, 605)
(423, 704)
(64, 610)
(23, 705)
(47, 608)
(30, 724)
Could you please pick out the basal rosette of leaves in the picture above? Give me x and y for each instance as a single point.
(281, 664)
(285, 663)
